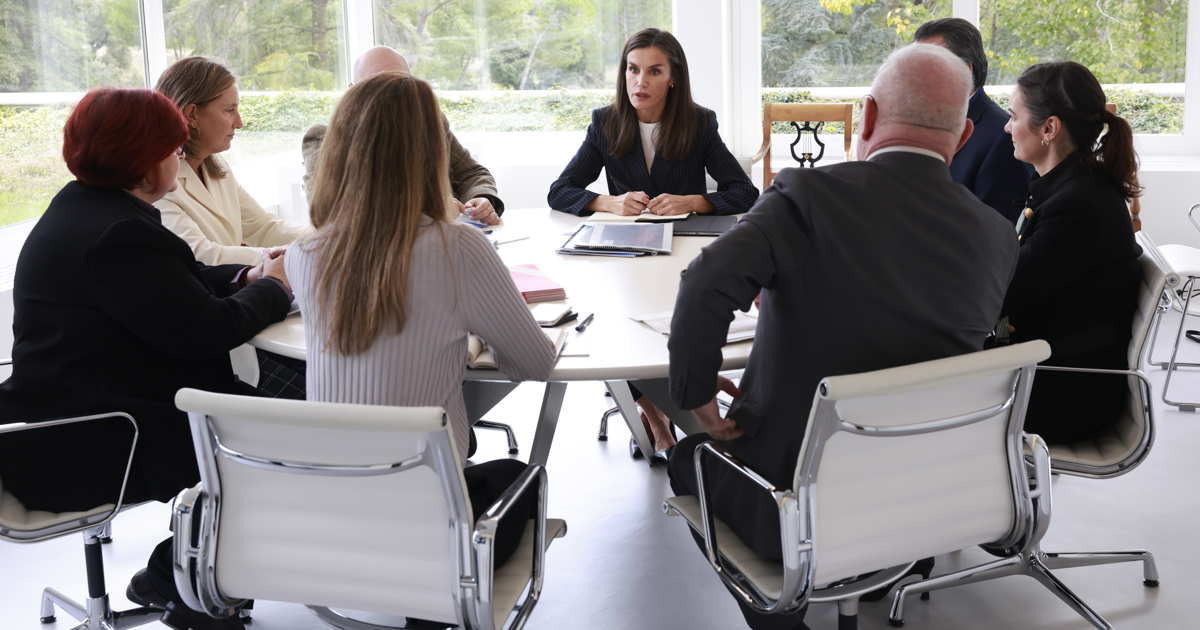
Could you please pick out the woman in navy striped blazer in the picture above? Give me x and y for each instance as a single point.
(654, 144)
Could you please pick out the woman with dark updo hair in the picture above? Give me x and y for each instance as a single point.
(1077, 278)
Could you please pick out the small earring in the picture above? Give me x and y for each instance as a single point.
(1045, 142)
(672, 84)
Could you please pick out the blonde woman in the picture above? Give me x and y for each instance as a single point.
(209, 209)
(390, 288)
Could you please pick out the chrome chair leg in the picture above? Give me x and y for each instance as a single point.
(1068, 560)
(96, 613)
(1173, 365)
(52, 597)
(1041, 573)
(603, 436)
(995, 569)
(500, 426)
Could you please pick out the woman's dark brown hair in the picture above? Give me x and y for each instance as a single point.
(1069, 90)
(680, 119)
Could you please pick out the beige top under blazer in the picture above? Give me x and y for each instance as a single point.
(221, 222)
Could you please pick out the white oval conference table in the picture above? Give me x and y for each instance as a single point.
(614, 348)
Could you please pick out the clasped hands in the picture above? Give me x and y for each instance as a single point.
(271, 266)
(709, 414)
(638, 202)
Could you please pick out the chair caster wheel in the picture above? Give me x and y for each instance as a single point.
(513, 451)
(602, 438)
(49, 619)
(1150, 583)
(924, 597)
(634, 451)
(896, 623)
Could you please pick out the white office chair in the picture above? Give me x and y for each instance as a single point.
(1183, 266)
(20, 525)
(896, 465)
(1118, 451)
(1128, 442)
(342, 506)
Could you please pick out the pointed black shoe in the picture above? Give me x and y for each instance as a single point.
(142, 593)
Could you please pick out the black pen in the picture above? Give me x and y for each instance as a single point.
(584, 324)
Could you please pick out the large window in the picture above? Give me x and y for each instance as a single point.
(289, 56)
(836, 43)
(828, 50)
(58, 48)
(1137, 48)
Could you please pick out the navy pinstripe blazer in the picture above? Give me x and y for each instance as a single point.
(628, 172)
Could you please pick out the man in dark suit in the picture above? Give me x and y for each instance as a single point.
(862, 265)
(985, 164)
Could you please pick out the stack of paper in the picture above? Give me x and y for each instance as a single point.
(536, 286)
(740, 329)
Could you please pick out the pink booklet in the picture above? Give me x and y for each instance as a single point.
(536, 286)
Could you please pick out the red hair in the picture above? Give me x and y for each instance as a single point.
(115, 136)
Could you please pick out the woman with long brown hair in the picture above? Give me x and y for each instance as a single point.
(390, 288)
(655, 145)
(1077, 278)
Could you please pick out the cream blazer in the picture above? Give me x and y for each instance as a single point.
(221, 222)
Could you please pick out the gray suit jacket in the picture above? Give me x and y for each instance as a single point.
(862, 266)
(468, 178)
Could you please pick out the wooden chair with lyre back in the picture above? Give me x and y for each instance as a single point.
(806, 113)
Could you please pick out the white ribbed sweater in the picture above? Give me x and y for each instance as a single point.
(458, 285)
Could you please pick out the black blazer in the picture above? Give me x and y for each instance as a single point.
(862, 266)
(112, 312)
(627, 173)
(986, 165)
(1076, 287)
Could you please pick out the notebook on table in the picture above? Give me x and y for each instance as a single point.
(645, 217)
(740, 329)
(535, 286)
(705, 225)
(619, 239)
(480, 357)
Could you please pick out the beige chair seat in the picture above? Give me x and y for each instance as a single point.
(1115, 445)
(512, 577)
(14, 517)
(767, 575)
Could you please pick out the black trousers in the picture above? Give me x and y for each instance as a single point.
(485, 483)
(683, 483)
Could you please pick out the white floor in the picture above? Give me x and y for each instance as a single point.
(625, 565)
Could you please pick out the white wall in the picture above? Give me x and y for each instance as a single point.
(1171, 188)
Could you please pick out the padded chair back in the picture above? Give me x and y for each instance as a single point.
(344, 506)
(1128, 442)
(18, 524)
(888, 452)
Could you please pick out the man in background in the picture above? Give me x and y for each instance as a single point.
(472, 184)
(985, 165)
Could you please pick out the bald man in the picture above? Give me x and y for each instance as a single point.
(862, 265)
(473, 185)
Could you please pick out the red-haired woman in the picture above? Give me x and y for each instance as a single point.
(113, 313)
